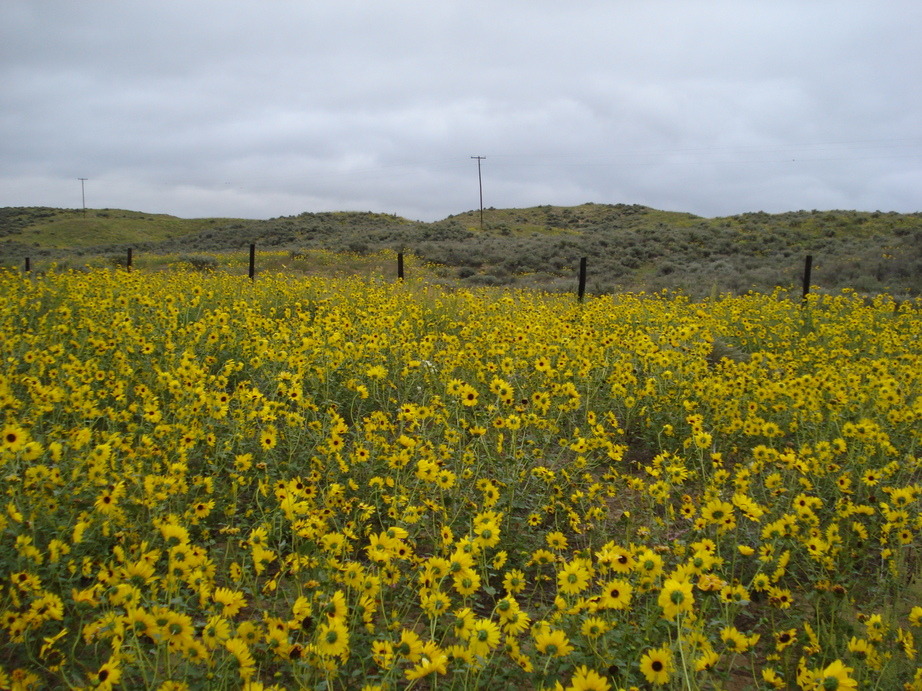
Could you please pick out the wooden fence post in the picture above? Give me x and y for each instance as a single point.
(128, 260)
(28, 265)
(808, 265)
(252, 261)
(582, 279)
(400, 266)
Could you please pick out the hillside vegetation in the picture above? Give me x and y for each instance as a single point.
(630, 247)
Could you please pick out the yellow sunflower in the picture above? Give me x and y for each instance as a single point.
(332, 638)
(585, 679)
(656, 665)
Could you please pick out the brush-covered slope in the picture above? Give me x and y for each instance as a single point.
(630, 247)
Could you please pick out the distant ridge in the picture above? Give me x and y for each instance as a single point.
(630, 246)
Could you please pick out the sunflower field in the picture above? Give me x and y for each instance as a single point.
(216, 483)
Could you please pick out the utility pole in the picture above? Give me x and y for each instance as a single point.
(480, 183)
(83, 193)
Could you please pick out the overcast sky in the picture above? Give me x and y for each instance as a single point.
(266, 108)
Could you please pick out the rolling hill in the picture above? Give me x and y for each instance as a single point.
(630, 247)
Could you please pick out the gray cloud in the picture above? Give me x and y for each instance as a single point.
(261, 109)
